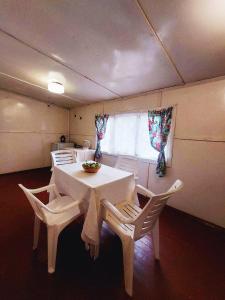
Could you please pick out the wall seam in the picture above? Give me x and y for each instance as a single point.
(200, 140)
(33, 132)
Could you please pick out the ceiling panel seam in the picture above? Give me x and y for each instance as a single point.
(58, 61)
(34, 98)
(38, 86)
(150, 25)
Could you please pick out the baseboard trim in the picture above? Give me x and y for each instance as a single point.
(194, 218)
(27, 170)
(187, 215)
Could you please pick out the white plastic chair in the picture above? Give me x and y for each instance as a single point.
(62, 157)
(57, 214)
(128, 163)
(131, 223)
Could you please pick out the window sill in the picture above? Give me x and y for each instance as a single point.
(145, 160)
(150, 161)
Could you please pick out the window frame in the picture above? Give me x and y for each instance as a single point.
(170, 141)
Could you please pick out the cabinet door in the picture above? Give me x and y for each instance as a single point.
(89, 155)
(80, 155)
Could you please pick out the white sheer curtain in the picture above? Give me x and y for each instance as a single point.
(127, 134)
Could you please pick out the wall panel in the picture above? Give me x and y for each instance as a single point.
(82, 119)
(139, 103)
(27, 129)
(201, 166)
(200, 110)
(20, 151)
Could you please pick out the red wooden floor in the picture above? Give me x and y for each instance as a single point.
(192, 264)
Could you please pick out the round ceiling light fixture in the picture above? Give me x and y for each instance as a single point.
(56, 87)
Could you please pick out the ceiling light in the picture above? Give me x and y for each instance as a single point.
(56, 87)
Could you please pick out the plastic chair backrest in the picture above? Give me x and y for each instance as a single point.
(63, 157)
(127, 163)
(35, 203)
(150, 213)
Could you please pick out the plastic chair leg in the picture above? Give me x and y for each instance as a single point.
(128, 263)
(37, 223)
(52, 247)
(155, 238)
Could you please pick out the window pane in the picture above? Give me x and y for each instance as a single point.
(124, 138)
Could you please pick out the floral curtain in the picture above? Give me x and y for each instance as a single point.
(100, 125)
(159, 123)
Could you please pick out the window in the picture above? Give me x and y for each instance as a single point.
(127, 134)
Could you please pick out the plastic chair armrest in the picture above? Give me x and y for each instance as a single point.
(61, 210)
(48, 188)
(143, 191)
(42, 189)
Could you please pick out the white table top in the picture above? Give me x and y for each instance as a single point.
(104, 176)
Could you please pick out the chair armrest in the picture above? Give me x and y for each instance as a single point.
(61, 210)
(116, 213)
(143, 191)
(42, 189)
(48, 188)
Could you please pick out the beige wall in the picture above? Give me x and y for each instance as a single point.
(27, 128)
(199, 144)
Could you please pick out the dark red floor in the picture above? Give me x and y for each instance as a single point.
(192, 264)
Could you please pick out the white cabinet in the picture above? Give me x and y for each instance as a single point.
(80, 153)
(84, 154)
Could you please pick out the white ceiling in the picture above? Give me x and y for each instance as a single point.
(103, 49)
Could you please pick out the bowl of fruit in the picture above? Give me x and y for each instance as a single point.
(91, 166)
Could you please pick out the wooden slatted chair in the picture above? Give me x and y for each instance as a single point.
(128, 163)
(63, 157)
(131, 223)
(57, 214)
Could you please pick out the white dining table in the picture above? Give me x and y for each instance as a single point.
(109, 183)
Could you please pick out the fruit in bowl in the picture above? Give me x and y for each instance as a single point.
(91, 166)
